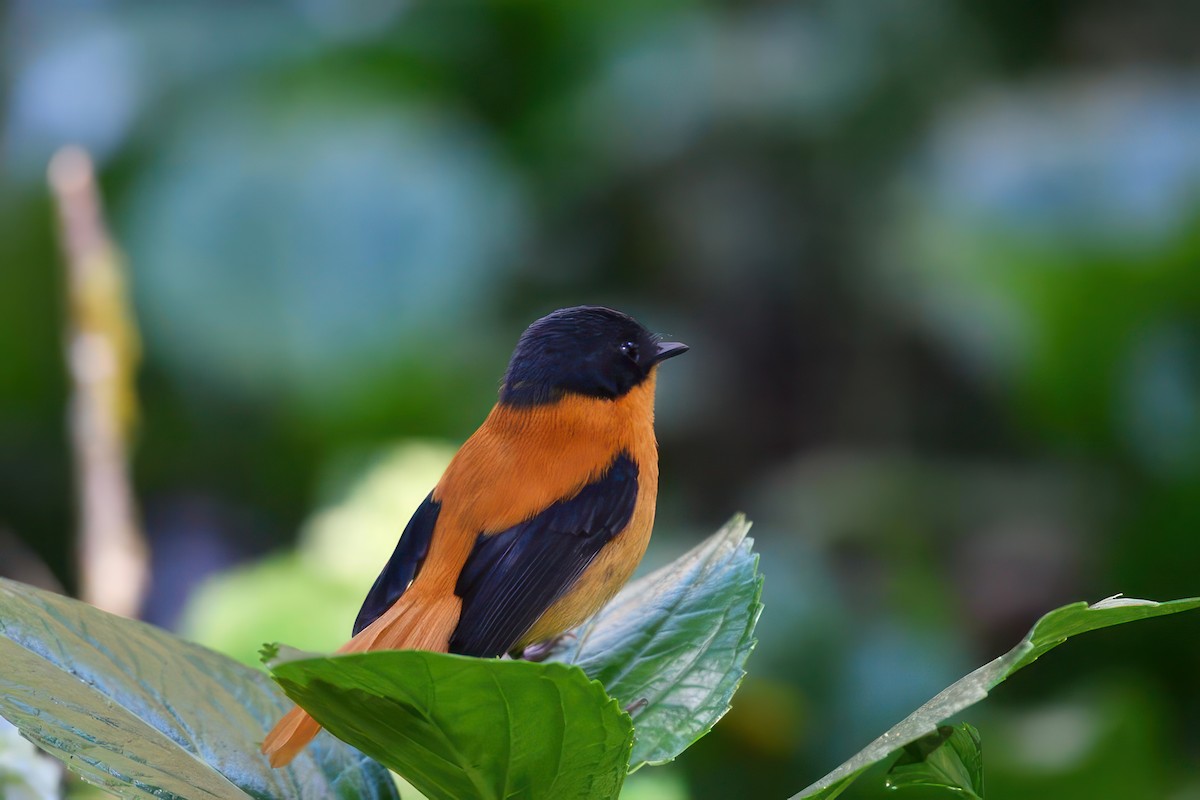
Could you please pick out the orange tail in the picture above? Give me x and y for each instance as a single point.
(412, 623)
(289, 736)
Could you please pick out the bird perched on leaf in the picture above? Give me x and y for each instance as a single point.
(541, 516)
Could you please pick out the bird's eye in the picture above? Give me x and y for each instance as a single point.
(630, 349)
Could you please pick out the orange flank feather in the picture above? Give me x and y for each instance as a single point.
(522, 460)
(289, 736)
(413, 623)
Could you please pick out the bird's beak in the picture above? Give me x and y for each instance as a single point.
(665, 350)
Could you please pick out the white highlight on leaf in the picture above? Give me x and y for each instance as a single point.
(1117, 601)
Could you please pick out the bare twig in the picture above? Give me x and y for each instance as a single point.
(102, 355)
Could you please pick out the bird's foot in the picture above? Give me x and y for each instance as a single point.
(540, 651)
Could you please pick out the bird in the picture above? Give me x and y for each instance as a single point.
(540, 517)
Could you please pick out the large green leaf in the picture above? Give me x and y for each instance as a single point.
(1050, 631)
(673, 644)
(458, 727)
(147, 715)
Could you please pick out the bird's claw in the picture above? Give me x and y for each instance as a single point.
(540, 651)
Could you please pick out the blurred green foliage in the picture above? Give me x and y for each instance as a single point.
(25, 773)
(918, 741)
(309, 596)
(937, 265)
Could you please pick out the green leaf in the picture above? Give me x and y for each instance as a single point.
(950, 758)
(678, 640)
(1049, 632)
(458, 727)
(146, 715)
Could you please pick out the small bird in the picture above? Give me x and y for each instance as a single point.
(541, 516)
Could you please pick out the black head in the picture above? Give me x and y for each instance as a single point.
(587, 350)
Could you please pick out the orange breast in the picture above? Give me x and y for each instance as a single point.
(521, 461)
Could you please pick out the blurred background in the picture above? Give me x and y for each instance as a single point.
(937, 262)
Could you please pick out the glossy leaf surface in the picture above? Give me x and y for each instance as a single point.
(145, 714)
(673, 645)
(458, 727)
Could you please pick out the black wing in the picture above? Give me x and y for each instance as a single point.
(513, 576)
(403, 566)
